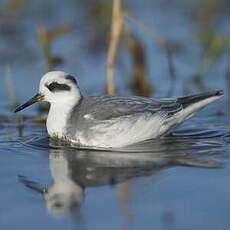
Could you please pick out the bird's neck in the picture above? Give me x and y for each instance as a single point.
(58, 115)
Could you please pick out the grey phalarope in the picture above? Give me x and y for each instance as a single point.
(111, 121)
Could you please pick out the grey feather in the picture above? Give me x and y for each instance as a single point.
(108, 107)
(104, 109)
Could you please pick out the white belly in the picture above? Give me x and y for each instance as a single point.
(121, 131)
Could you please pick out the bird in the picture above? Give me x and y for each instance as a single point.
(111, 121)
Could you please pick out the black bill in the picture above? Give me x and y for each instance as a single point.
(37, 97)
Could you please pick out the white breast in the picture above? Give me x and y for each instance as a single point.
(57, 118)
(56, 121)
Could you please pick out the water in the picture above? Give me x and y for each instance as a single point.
(178, 182)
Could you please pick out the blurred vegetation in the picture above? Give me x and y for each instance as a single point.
(46, 38)
(136, 51)
(213, 43)
(29, 30)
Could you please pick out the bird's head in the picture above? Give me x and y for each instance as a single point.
(55, 87)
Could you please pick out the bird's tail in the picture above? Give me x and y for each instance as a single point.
(203, 98)
(193, 103)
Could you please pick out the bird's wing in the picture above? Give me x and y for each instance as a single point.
(108, 107)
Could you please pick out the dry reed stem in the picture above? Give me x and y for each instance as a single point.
(40, 120)
(124, 197)
(46, 38)
(116, 27)
(45, 44)
(137, 53)
(162, 42)
(151, 31)
(21, 120)
(10, 86)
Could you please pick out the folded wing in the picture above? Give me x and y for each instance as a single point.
(109, 107)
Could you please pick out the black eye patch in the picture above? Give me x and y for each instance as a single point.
(71, 78)
(54, 86)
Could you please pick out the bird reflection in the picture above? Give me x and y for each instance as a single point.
(65, 193)
(73, 170)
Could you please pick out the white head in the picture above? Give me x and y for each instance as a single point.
(55, 87)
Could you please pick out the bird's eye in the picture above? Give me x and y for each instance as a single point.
(51, 86)
(55, 86)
